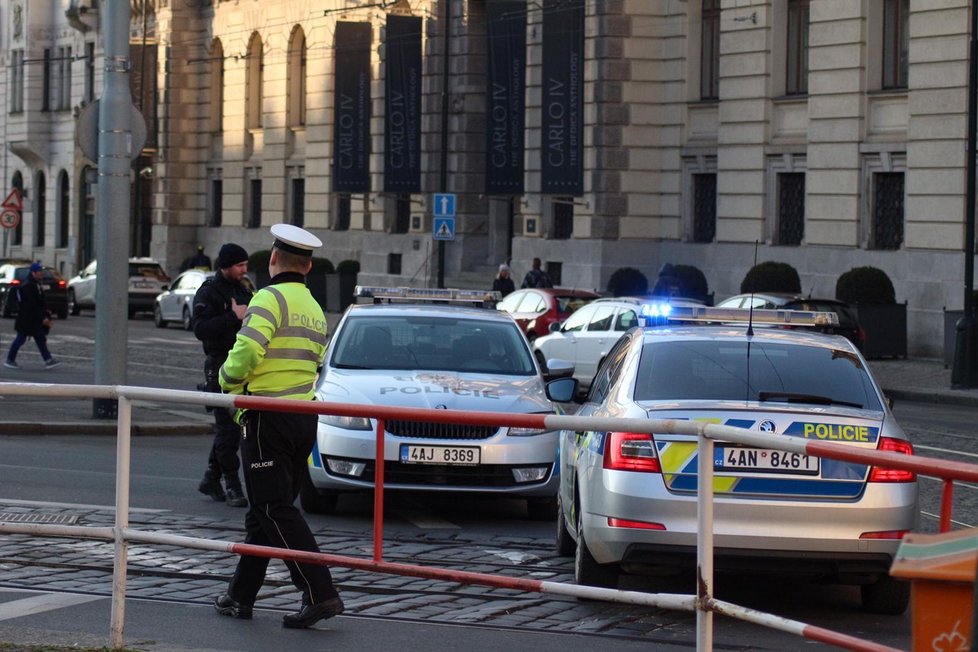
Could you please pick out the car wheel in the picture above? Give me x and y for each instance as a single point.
(158, 317)
(587, 571)
(531, 336)
(72, 304)
(887, 595)
(188, 323)
(541, 509)
(316, 502)
(563, 542)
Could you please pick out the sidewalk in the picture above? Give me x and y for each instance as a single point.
(904, 380)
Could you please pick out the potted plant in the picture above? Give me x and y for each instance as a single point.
(627, 281)
(884, 321)
(771, 276)
(341, 284)
(316, 279)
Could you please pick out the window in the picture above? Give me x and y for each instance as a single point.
(255, 83)
(710, 50)
(394, 264)
(602, 319)
(216, 204)
(18, 182)
(791, 208)
(402, 214)
(63, 90)
(89, 72)
(563, 214)
(626, 319)
(887, 210)
(297, 79)
(896, 41)
(298, 202)
(254, 212)
(64, 200)
(704, 207)
(342, 213)
(215, 103)
(47, 81)
(555, 271)
(16, 81)
(40, 198)
(797, 48)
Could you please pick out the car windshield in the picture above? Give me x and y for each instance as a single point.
(765, 371)
(433, 343)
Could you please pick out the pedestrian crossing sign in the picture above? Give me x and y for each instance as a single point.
(443, 228)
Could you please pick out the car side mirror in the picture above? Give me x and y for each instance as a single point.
(164, 288)
(554, 327)
(562, 390)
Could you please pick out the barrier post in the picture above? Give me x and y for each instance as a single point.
(379, 492)
(704, 549)
(124, 424)
(947, 500)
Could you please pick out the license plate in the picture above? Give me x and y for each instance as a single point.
(461, 455)
(45, 286)
(763, 460)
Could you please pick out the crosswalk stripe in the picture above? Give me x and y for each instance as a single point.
(44, 602)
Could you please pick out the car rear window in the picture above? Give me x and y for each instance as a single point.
(724, 370)
(147, 270)
(568, 304)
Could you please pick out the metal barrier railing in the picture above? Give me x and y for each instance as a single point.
(703, 602)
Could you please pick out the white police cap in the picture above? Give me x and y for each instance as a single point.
(289, 237)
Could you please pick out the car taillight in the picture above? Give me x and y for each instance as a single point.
(631, 451)
(877, 474)
(16, 281)
(637, 525)
(61, 284)
(885, 534)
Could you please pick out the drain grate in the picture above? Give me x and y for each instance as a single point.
(49, 519)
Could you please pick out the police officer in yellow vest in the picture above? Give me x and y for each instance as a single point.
(278, 353)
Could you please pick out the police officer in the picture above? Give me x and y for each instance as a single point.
(278, 353)
(219, 307)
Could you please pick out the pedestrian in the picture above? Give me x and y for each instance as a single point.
(199, 260)
(277, 353)
(667, 284)
(536, 277)
(33, 318)
(503, 283)
(219, 308)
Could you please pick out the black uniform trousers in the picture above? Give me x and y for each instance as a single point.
(275, 448)
(223, 458)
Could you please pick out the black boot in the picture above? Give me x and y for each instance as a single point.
(211, 485)
(234, 497)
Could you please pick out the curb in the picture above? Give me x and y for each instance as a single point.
(932, 397)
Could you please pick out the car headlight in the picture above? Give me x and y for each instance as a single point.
(346, 423)
(526, 432)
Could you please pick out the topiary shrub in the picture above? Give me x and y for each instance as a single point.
(771, 276)
(258, 260)
(691, 280)
(627, 281)
(348, 267)
(868, 285)
(321, 266)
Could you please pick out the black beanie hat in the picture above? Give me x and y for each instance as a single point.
(231, 254)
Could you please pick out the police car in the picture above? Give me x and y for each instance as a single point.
(627, 501)
(445, 354)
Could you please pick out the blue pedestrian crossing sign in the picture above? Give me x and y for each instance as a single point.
(443, 228)
(443, 204)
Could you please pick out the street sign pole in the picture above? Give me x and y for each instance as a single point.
(445, 56)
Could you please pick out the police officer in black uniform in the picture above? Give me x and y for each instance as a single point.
(219, 307)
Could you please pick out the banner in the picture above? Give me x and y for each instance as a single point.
(562, 142)
(351, 108)
(506, 79)
(402, 104)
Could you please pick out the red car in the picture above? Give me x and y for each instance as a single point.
(535, 309)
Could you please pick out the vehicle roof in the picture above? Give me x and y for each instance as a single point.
(738, 333)
(785, 297)
(566, 292)
(429, 310)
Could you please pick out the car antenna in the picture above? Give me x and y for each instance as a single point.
(753, 280)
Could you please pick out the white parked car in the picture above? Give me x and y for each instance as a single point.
(176, 303)
(146, 279)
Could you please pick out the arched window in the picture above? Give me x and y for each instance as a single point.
(215, 99)
(18, 182)
(40, 198)
(61, 241)
(255, 83)
(297, 79)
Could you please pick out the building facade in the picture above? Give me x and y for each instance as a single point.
(594, 134)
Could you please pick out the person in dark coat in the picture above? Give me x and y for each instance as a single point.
(503, 282)
(536, 277)
(33, 319)
(219, 307)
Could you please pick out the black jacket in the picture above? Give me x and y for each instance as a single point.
(504, 285)
(31, 308)
(215, 324)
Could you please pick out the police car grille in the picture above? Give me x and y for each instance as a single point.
(441, 475)
(422, 430)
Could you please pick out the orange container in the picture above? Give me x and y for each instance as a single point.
(941, 568)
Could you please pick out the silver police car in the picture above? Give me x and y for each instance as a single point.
(440, 357)
(627, 501)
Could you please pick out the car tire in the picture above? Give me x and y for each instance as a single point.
(315, 502)
(73, 307)
(587, 571)
(158, 317)
(563, 541)
(541, 509)
(188, 322)
(887, 595)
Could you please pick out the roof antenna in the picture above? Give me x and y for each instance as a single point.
(753, 280)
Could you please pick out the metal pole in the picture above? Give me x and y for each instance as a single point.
(704, 548)
(963, 374)
(112, 207)
(122, 459)
(443, 183)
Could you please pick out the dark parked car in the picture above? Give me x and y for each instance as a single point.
(534, 309)
(848, 323)
(54, 285)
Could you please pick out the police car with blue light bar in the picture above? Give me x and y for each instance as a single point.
(430, 348)
(627, 501)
